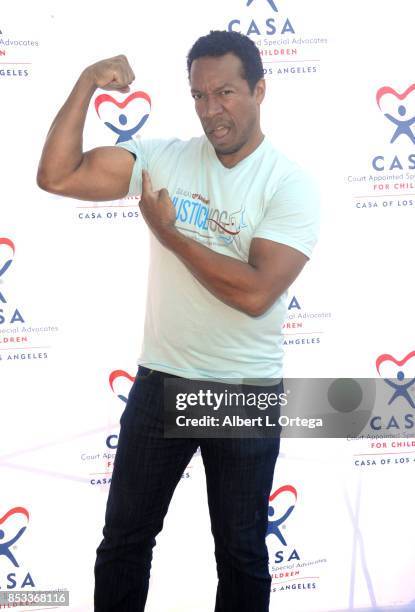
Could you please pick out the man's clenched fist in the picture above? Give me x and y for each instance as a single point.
(114, 73)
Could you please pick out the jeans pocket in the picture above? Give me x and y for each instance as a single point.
(144, 373)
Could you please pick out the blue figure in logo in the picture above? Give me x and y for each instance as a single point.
(5, 267)
(124, 135)
(274, 525)
(5, 546)
(401, 389)
(404, 125)
(122, 398)
(270, 2)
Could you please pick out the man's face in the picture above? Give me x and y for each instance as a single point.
(226, 107)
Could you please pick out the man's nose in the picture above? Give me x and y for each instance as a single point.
(212, 106)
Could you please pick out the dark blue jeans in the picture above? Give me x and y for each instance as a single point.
(147, 469)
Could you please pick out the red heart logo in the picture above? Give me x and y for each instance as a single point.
(385, 358)
(117, 374)
(107, 98)
(289, 488)
(119, 125)
(389, 90)
(17, 510)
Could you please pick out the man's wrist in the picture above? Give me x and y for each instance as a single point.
(87, 80)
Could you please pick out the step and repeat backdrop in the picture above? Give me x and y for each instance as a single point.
(340, 101)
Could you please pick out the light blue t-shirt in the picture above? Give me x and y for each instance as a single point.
(188, 331)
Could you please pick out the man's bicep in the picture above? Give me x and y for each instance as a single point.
(104, 174)
(277, 265)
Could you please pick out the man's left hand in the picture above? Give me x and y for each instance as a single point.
(157, 208)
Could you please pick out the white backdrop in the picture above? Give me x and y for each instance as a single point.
(72, 288)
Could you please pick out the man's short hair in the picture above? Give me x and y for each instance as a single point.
(220, 42)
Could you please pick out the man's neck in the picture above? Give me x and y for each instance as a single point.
(232, 159)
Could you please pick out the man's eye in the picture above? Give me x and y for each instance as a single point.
(226, 92)
(196, 96)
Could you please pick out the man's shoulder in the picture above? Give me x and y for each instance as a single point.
(278, 159)
(171, 145)
(288, 180)
(283, 168)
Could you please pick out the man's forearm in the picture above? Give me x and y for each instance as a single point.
(235, 282)
(251, 286)
(62, 152)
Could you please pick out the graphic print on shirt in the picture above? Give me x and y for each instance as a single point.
(207, 224)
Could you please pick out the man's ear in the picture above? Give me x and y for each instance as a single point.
(259, 90)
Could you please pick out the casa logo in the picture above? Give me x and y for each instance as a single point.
(403, 124)
(15, 339)
(16, 53)
(399, 378)
(8, 314)
(283, 51)
(270, 23)
(281, 505)
(13, 525)
(390, 182)
(120, 383)
(126, 117)
(398, 109)
(303, 327)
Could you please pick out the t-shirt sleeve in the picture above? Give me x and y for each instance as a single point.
(140, 164)
(292, 215)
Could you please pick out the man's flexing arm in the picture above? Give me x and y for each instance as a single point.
(100, 174)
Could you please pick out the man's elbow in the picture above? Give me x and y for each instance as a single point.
(255, 311)
(46, 183)
(258, 305)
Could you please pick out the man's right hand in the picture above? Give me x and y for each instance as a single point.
(114, 73)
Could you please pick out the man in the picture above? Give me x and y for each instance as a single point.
(232, 224)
